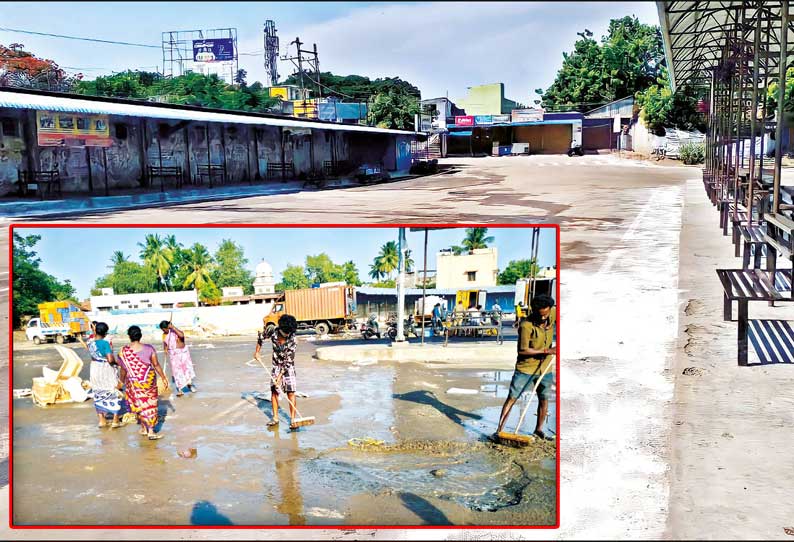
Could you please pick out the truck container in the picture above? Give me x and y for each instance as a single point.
(60, 321)
(325, 310)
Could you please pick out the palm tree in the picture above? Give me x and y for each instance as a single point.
(118, 257)
(374, 270)
(409, 262)
(388, 259)
(199, 264)
(475, 238)
(157, 257)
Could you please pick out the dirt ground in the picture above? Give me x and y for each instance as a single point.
(390, 447)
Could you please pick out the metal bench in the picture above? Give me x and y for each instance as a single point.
(165, 173)
(42, 182)
(778, 227)
(753, 241)
(772, 340)
(284, 169)
(743, 286)
(211, 172)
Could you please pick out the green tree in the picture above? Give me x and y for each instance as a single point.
(475, 238)
(32, 285)
(350, 272)
(118, 257)
(200, 266)
(230, 267)
(628, 59)
(320, 268)
(127, 278)
(293, 278)
(517, 269)
(394, 109)
(158, 258)
(385, 262)
(209, 294)
(660, 107)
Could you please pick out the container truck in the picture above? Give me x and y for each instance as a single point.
(325, 310)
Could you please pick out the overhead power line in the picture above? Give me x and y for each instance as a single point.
(5, 29)
(97, 40)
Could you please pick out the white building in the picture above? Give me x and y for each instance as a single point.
(155, 300)
(232, 291)
(471, 270)
(264, 283)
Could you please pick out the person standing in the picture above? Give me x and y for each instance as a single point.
(178, 353)
(138, 368)
(104, 375)
(535, 354)
(437, 326)
(282, 372)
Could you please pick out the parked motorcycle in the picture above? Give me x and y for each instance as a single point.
(409, 328)
(370, 328)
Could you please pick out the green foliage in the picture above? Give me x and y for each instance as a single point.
(390, 283)
(32, 285)
(661, 107)
(230, 267)
(200, 266)
(209, 294)
(386, 262)
(189, 89)
(692, 153)
(357, 87)
(293, 278)
(127, 278)
(350, 272)
(158, 257)
(475, 238)
(628, 59)
(517, 269)
(394, 109)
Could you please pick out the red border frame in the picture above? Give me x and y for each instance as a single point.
(14, 226)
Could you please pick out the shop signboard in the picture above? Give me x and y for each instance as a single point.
(499, 119)
(467, 120)
(480, 120)
(527, 115)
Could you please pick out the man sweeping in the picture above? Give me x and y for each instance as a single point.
(282, 374)
(535, 354)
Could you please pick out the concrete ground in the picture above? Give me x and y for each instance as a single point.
(623, 263)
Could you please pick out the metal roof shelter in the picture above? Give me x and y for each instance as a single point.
(50, 101)
(735, 50)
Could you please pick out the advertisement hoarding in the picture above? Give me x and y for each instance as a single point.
(213, 50)
(72, 130)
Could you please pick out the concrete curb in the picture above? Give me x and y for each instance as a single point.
(488, 355)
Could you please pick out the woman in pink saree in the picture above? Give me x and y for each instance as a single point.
(179, 355)
(138, 365)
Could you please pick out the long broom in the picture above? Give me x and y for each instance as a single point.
(514, 439)
(300, 421)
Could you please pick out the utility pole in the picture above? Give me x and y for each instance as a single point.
(311, 58)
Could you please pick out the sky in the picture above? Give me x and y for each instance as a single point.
(441, 47)
(92, 248)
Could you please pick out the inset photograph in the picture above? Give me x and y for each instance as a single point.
(285, 376)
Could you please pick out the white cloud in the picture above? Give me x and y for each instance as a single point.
(446, 46)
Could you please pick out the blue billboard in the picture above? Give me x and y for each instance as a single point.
(213, 50)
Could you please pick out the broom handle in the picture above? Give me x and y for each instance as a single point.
(534, 389)
(276, 383)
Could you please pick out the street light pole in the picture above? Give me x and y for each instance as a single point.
(400, 285)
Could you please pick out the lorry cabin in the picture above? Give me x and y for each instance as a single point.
(324, 310)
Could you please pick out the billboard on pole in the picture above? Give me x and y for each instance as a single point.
(213, 50)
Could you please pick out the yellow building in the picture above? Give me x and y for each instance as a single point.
(472, 270)
(487, 100)
(288, 93)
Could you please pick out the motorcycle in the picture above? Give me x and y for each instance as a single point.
(576, 149)
(369, 329)
(409, 328)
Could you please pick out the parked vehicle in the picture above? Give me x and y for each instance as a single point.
(370, 328)
(576, 149)
(59, 321)
(325, 310)
(409, 328)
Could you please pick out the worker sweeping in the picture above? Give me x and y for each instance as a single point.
(534, 363)
(282, 373)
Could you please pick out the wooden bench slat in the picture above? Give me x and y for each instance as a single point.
(782, 250)
(780, 221)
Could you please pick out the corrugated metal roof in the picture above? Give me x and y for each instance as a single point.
(71, 104)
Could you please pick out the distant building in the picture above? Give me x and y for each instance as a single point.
(472, 270)
(287, 93)
(440, 109)
(232, 291)
(264, 282)
(487, 100)
(109, 301)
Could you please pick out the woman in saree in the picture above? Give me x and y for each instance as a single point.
(138, 367)
(104, 377)
(178, 353)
